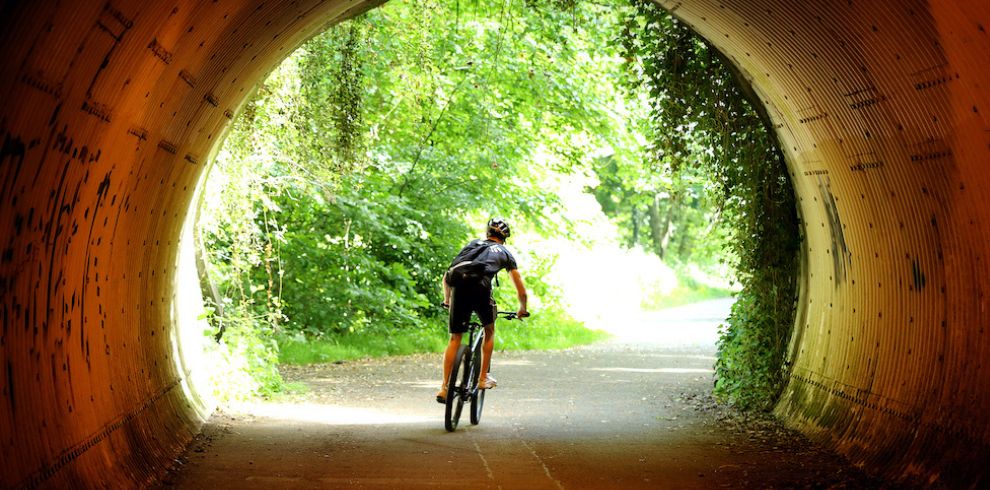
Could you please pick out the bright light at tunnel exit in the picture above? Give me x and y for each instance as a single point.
(189, 344)
(604, 284)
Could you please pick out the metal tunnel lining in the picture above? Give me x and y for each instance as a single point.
(109, 112)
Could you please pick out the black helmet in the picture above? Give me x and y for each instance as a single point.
(498, 227)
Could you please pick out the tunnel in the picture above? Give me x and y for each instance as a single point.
(110, 111)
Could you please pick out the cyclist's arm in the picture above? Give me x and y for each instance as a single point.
(520, 291)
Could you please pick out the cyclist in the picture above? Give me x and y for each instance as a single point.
(467, 288)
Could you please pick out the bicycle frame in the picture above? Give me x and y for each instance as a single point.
(475, 341)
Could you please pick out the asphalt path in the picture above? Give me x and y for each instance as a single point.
(631, 413)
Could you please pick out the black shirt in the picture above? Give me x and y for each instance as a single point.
(495, 256)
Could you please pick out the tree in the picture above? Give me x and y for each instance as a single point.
(369, 156)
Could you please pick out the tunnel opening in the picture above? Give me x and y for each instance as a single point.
(110, 109)
(271, 183)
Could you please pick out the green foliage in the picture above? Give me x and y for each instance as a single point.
(355, 265)
(661, 209)
(373, 153)
(328, 109)
(653, 185)
(251, 359)
(241, 242)
(704, 123)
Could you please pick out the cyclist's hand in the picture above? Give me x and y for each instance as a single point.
(522, 313)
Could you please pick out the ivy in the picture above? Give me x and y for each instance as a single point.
(703, 120)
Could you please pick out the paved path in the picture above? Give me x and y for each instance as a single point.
(618, 415)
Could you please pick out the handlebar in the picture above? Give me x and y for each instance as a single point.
(510, 315)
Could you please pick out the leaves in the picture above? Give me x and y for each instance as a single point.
(374, 152)
(371, 155)
(721, 165)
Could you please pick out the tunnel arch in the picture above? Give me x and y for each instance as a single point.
(110, 109)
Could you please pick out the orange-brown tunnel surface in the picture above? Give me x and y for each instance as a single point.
(109, 111)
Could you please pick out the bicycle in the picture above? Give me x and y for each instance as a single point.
(465, 388)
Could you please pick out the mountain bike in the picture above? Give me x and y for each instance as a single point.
(462, 385)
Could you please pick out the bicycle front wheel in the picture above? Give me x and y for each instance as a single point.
(478, 398)
(457, 389)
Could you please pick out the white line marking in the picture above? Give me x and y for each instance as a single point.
(545, 469)
(488, 469)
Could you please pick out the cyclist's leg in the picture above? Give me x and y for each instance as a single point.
(488, 320)
(449, 356)
(460, 313)
(486, 353)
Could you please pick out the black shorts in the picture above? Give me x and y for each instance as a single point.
(469, 299)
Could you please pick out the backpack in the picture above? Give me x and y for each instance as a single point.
(468, 271)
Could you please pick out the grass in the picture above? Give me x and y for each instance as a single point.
(549, 330)
(296, 350)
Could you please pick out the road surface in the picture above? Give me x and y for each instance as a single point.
(631, 413)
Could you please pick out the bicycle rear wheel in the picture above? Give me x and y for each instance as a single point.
(457, 388)
(478, 398)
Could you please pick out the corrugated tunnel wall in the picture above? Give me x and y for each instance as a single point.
(109, 111)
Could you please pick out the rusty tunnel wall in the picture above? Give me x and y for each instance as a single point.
(109, 109)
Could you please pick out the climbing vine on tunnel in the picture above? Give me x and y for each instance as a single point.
(705, 121)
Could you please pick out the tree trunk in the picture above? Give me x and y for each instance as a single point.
(660, 228)
(635, 227)
(657, 226)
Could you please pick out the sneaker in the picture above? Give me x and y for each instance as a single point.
(489, 383)
(442, 396)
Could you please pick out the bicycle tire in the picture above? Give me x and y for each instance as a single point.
(478, 398)
(455, 393)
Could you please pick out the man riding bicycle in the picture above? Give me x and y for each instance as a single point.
(467, 288)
